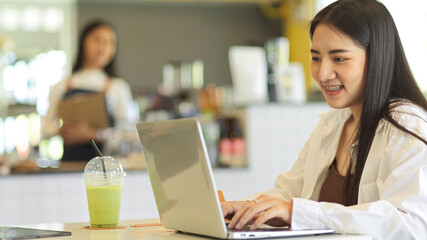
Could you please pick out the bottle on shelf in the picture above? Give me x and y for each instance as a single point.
(232, 145)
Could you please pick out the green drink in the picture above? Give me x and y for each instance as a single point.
(103, 178)
(104, 205)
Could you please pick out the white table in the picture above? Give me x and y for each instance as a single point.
(152, 233)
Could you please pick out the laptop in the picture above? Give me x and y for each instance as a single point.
(183, 183)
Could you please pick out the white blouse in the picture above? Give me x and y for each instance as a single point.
(392, 201)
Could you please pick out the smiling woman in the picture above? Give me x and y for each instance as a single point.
(406, 14)
(382, 78)
(366, 161)
(339, 68)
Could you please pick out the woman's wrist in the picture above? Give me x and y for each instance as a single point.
(291, 208)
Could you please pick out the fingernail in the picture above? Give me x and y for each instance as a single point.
(238, 226)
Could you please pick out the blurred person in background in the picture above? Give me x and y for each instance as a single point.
(93, 72)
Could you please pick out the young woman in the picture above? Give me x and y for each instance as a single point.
(364, 168)
(93, 72)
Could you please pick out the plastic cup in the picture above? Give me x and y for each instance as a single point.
(104, 191)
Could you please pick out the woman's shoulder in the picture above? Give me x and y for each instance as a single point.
(119, 87)
(410, 116)
(403, 110)
(119, 82)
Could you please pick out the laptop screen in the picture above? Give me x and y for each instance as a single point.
(183, 184)
(181, 176)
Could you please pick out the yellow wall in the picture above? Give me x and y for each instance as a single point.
(296, 15)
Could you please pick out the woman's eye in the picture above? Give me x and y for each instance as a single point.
(315, 59)
(339, 59)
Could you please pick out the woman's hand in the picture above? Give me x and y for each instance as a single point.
(76, 132)
(230, 208)
(264, 209)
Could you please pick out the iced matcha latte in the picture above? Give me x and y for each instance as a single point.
(104, 205)
(104, 180)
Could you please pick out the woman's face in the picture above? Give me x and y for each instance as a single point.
(99, 47)
(339, 67)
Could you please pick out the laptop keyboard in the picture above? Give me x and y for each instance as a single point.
(247, 228)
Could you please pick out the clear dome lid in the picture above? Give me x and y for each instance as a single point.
(105, 165)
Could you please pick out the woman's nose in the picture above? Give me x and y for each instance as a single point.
(326, 72)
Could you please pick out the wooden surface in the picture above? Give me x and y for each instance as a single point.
(31, 167)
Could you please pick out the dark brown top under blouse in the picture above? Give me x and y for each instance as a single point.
(332, 189)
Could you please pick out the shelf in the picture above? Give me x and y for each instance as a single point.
(18, 109)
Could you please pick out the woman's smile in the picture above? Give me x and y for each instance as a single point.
(333, 90)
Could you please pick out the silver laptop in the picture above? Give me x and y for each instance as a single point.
(183, 184)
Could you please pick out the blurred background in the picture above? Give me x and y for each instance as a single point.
(241, 66)
(209, 59)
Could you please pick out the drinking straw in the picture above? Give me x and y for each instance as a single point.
(100, 155)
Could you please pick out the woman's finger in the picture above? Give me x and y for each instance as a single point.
(263, 218)
(239, 213)
(237, 218)
(252, 212)
(234, 206)
(227, 208)
(279, 211)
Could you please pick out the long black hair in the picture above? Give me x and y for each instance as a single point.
(371, 26)
(110, 68)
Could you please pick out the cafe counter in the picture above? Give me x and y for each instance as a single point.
(275, 134)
